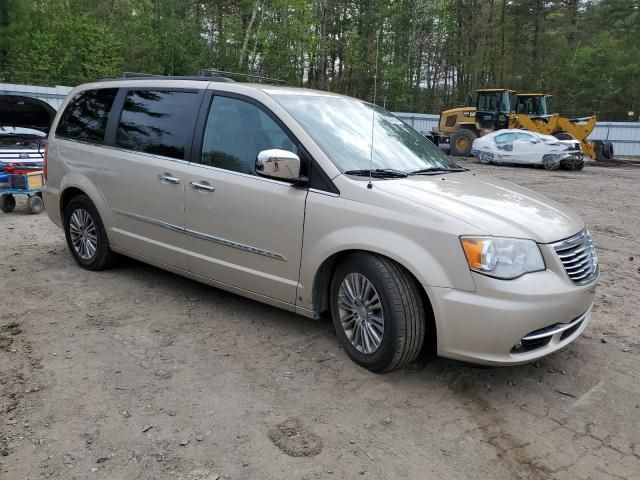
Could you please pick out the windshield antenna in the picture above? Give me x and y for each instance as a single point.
(373, 112)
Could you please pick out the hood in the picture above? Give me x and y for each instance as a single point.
(558, 143)
(497, 207)
(25, 112)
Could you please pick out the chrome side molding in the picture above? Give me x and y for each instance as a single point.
(203, 236)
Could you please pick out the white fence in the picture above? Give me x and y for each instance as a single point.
(52, 95)
(422, 122)
(625, 136)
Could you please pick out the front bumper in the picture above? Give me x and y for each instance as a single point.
(515, 321)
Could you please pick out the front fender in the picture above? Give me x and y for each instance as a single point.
(333, 225)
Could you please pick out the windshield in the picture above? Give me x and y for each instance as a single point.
(512, 101)
(495, 102)
(341, 126)
(505, 103)
(542, 104)
(533, 105)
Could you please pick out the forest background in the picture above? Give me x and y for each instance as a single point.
(431, 53)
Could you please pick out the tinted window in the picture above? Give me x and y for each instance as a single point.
(86, 115)
(236, 131)
(159, 122)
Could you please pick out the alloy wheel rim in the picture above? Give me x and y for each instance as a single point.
(361, 313)
(83, 233)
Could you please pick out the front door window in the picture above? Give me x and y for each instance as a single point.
(236, 132)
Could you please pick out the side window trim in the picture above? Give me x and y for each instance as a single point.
(201, 125)
(114, 118)
(318, 178)
(118, 107)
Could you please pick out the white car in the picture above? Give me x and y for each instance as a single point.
(24, 124)
(528, 148)
(21, 146)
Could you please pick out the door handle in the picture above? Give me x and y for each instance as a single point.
(202, 186)
(168, 178)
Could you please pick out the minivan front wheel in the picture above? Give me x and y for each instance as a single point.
(378, 312)
(85, 234)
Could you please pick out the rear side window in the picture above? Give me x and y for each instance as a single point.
(526, 137)
(504, 138)
(85, 118)
(158, 121)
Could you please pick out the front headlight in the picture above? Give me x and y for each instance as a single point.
(504, 258)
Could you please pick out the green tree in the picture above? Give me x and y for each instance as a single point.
(430, 53)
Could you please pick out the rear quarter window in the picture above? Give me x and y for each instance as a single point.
(86, 116)
(525, 137)
(160, 122)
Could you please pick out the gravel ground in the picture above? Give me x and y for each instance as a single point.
(138, 373)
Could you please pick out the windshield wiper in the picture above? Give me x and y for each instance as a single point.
(378, 173)
(436, 170)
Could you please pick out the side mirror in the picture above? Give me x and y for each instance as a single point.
(278, 164)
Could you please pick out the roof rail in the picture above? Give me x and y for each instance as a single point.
(225, 74)
(151, 76)
(139, 74)
(206, 75)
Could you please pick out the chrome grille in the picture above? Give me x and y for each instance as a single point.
(578, 255)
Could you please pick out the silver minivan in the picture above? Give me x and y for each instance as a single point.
(319, 204)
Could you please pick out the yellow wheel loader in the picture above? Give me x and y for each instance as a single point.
(459, 127)
(532, 112)
(498, 108)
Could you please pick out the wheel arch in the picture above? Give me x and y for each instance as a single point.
(67, 195)
(469, 126)
(82, 186)
(322, 284)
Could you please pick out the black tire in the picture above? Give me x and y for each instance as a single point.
(461, 142)
(35, 204)
(572, 164)
(607, 150)
(551, 166)
(103, 257)
(599, 147)
(7, 203)
(486, 158)
(431, 138)
(402, 308)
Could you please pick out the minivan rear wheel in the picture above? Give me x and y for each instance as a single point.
(86, 237)
(377, 311)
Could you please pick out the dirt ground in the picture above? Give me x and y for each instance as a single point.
(138, 373)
